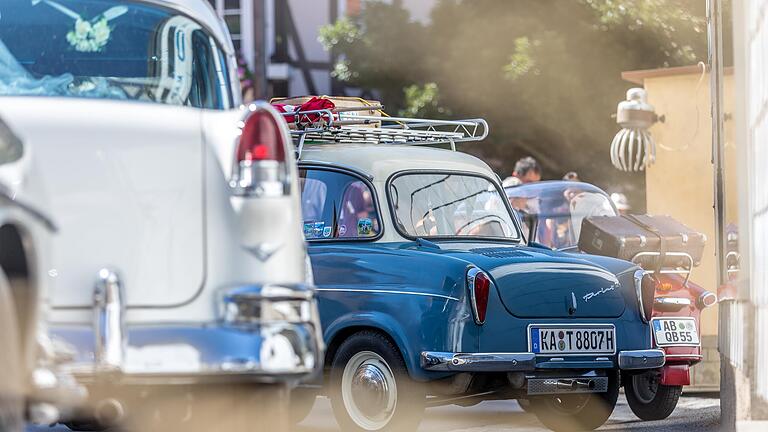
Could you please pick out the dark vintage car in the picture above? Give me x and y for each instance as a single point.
(429, 293)
(553, 212)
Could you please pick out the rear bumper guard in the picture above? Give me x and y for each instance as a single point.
(525, 361)
(641, 359)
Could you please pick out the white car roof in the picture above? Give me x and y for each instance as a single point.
(381, 161)
(202, 12)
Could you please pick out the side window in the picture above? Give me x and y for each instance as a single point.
(335, 205)
(205, 91)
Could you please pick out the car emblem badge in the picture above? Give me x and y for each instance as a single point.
(590, 296)
(263, 251)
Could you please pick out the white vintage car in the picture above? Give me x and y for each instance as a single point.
(177, 271)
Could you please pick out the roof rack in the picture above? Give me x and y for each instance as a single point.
(345, 125)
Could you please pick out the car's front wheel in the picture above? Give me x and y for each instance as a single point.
(648, 398)
(578, 411)
(371, 389)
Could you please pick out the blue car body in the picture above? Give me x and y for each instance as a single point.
(415, 290)
(417, 295)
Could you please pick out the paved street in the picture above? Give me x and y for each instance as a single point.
(693, 414)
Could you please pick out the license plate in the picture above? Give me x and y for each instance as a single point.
(675, 331)
(565, 339)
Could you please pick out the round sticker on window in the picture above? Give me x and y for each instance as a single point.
(342, 230)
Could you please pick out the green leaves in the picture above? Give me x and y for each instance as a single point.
(423, 101)
(521, 61)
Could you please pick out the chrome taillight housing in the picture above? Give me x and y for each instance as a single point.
(479, 286)
(260, 166)
(645, 289)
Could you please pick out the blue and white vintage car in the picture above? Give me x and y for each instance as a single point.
(429, 292)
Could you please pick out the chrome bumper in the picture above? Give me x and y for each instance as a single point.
(267, 333)
(186, 354)
(641, 359)
(478, 362)
(511, 362)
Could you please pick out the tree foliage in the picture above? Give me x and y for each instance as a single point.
(545, 73)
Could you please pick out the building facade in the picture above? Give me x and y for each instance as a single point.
(744, 313)
(278, 40)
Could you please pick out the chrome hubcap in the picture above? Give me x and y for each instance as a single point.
(369, 390)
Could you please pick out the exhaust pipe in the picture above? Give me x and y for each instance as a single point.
(109, 412)
(576, 384)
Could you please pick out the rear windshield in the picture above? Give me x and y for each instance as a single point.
(450, 205)
(109, 49)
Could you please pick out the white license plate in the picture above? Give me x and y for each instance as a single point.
(675, 331)
(565, 339)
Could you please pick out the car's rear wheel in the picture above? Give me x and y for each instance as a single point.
(577, 412)
(649, 399)
(370, 386)
(12, 385)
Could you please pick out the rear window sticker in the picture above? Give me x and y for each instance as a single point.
(327, 232)
(342, 230)
(317, 230)
(308, 229)
(364, 227)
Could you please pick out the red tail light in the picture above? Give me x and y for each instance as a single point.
(261, 139)
(479, 285)
(260, 167)
(645, 287)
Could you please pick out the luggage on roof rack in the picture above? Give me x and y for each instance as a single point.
(315, 120)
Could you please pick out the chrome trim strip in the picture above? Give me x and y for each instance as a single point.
(641, 359)
(386, 292)
(639, 292)
(478, 362)
(472, 273)
(672, 301)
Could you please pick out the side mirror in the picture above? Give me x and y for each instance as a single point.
(11, 147)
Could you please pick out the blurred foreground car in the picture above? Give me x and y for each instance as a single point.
(430, 295)
(554, 212)
(33, 387)
(178, 274)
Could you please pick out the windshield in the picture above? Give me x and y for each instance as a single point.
(450, 205)
(109, 49)
(554, 212)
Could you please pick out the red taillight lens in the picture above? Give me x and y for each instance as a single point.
(261, 139)
(479, 292)
(260, 167)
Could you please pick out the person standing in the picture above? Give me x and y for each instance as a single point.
(527, 170)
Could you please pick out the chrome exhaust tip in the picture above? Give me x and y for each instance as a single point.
(586, 384)
(109, 412)
(566, 384)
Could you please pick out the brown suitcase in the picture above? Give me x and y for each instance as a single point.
(626, 236)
